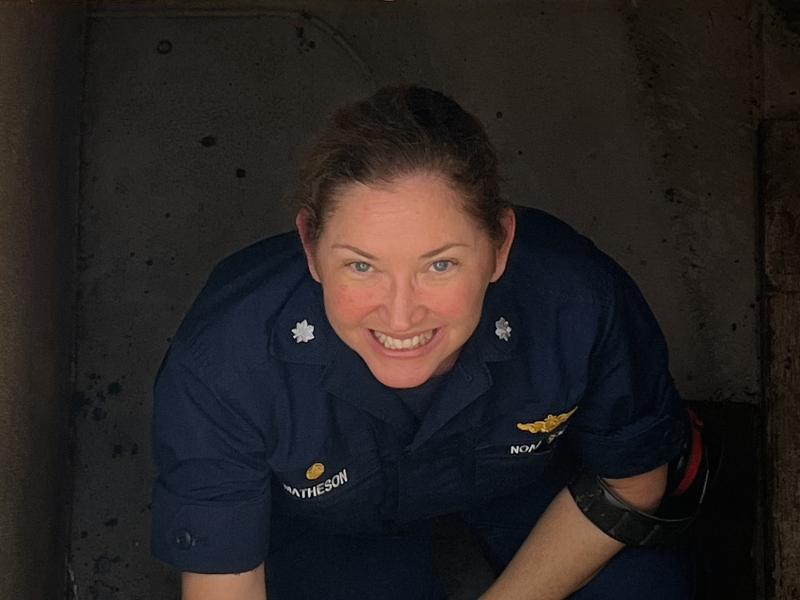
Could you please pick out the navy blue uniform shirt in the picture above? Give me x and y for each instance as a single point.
(255, 431)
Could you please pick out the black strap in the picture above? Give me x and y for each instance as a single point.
(623, 522)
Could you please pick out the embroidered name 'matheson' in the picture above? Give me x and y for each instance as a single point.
(321, 488)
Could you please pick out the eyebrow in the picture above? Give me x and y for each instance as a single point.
(369, 256)
(356, 250)
(444, 248)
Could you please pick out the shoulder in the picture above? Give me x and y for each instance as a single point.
(569, 293)
(558, 264)
(228, 322)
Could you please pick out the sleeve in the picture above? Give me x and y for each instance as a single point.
(211, 498)
(631, 418)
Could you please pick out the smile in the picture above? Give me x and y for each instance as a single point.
(409, 343)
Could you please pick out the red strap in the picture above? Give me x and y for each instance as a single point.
(695, 456)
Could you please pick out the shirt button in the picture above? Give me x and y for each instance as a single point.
(184, 539)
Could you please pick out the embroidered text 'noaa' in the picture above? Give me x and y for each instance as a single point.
(524, 448)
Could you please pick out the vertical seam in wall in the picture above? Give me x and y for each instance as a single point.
(762, 542)
(765, 458)
(70, 591)
(765, 522)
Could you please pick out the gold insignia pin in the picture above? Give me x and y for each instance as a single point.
(315, 471)
(549, 424)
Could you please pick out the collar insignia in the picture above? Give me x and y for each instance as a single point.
(303, 332)
(502, 329)
(315, 471)
(551, 423)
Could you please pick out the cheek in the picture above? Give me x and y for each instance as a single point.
(349, 305)
(459, 302)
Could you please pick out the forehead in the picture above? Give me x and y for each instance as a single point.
(421, 204)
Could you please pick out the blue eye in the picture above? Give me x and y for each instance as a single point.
(442, 266)
(361, 267)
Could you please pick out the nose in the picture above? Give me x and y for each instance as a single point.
(403, 309)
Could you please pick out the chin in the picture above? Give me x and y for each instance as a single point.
(395, 378)
(401, 373)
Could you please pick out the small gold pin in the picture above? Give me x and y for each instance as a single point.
(549, 424)
(315, 471)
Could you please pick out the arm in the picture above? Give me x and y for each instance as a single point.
(237, 586)
(213, 484)
(565, 550)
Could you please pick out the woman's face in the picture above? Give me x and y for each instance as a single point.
(404, 271)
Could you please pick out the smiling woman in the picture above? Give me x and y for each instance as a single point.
(418, 348)
(404, 271)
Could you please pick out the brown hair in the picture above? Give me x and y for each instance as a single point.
(398, 131)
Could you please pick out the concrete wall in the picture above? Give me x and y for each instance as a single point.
(40, 83)
(633, 121)
(780, 199)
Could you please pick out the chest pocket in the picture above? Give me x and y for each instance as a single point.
(516, 450)
(332, 492)
(435, 479)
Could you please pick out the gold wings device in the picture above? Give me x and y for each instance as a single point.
(550, 423)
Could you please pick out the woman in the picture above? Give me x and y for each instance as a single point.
(418, 348)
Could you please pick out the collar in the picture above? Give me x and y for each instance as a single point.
(347, 376)
(499, 304)
(305, 303)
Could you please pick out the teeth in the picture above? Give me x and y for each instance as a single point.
(405, 344)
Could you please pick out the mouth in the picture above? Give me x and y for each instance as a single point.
(408, 343)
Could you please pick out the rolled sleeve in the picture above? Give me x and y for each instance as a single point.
(631, 419)
(210, 537)
(211, 500)
(633, 450)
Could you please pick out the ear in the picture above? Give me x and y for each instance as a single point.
(508, 221)
(301, 222)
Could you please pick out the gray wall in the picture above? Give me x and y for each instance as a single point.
(634, 122)
(40, 85)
